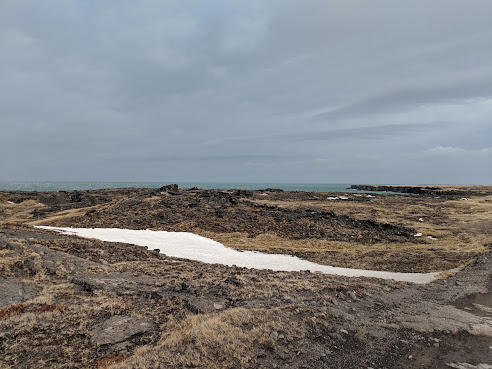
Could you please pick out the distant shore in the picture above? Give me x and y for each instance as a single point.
(435, 190)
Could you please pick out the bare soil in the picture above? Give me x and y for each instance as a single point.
(60, 295)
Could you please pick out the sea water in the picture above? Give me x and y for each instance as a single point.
(71, 186)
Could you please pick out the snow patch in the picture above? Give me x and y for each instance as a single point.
(11, 202)
(418, 235)
(191, 246)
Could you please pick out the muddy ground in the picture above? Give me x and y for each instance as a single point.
(72, 302)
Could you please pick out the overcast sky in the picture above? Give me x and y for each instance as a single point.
(246, 91)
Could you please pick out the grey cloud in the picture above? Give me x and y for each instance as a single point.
(379, 132)
(412, 98)
(128, 90)
(371, 133)
(223, 157)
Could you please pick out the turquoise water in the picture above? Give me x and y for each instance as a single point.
(70, 186)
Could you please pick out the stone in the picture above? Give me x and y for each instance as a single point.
(274, 335)
(121, 346)
(218, 306)
(13, 291)
(344, 331)
(120, 328)
(353, 296)
(172, 189)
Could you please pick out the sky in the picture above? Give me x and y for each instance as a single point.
(246, 91)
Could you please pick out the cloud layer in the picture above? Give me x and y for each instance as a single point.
(246, 91)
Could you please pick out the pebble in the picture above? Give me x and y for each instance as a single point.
(274, 335)
(353, 296)
(218, 306)
(410, 357)
(344, 331)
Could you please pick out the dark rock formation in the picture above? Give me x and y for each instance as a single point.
(119, 328)
(418, 190)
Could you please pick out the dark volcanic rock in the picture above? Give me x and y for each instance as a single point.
(225, 211)
(419, 190)
(13, 291)
(172, 189)
(119, 328)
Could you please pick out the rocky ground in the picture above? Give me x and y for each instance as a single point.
(72, 302)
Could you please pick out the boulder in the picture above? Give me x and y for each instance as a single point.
(120, 328)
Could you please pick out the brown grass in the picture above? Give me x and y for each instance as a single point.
(50, 307)
(12, 310)
(64, 216)
(18, 213)
(109, 359)
(208, 341)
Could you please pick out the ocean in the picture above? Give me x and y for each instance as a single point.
(71, 186)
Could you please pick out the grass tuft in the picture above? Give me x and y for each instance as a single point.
(12, 310)
(109, 359)
(50, 307)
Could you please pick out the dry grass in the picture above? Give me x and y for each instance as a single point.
(60, 332)
(109, 359)
(12, 310)
(50, 308)
(18, 213)
(208, 341)
(65, 215)
(429, 256)
(12, 263)
(462, 229)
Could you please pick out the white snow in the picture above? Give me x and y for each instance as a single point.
(418, 235)
(370, 196)
(421, 219)
(191, 246)
(332, 198)
(337, 198)
(432, 238)
(11, 202)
